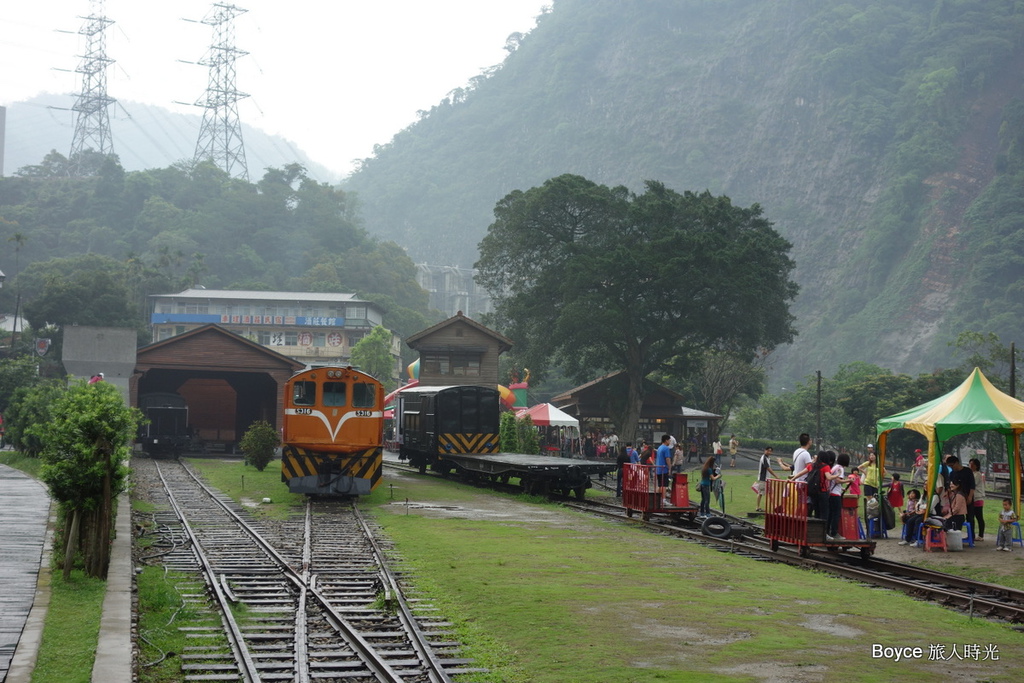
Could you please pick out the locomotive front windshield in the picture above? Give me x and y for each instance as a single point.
(363, 395)
(334, 394)
(304, 394)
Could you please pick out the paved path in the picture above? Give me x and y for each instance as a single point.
(24, 510)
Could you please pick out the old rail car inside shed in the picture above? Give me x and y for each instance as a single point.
(166, 432)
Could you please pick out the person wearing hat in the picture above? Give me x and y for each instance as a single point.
(919, 469)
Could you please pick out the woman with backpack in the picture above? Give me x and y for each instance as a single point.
(817, 485)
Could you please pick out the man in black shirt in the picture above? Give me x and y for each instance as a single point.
(962, 476)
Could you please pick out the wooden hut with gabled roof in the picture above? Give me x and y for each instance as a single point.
(458, 350)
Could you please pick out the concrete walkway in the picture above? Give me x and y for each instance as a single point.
(24, 512)
(25, 549)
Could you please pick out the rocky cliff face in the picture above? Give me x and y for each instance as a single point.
(865, 130)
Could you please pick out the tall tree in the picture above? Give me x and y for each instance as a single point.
(14, 374)
(86, 444)
(372, 355)
(596, 278)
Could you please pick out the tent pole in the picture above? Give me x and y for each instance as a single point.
(1015, 470)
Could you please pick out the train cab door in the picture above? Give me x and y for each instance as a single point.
(428, 420)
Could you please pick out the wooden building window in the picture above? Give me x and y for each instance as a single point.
(453, 364)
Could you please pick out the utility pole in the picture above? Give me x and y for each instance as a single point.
(1013, 369)
(817, 437)
(92, 125)
(220, 136)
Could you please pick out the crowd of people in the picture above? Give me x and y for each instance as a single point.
(958, 499)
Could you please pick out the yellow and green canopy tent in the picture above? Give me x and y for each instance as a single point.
(974, 406)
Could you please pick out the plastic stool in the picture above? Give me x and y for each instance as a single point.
(876, 526)
(860, 530)
(1015, 536)
(917, 535)
(968, 535)
(934, 538)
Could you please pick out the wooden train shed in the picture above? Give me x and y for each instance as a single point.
(228, 381)
(662, 411)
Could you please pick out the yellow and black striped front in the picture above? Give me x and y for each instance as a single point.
(468, 443)
(355, 473)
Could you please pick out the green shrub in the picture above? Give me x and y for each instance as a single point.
(259, 443)
(508, 433)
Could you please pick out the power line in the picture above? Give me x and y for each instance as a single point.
(220, 135)
(92, 124)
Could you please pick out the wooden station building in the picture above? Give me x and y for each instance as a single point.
(663, 411)
(458, 350)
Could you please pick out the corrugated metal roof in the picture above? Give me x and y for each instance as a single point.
(226, 294)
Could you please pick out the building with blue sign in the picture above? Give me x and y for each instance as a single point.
(317, 328)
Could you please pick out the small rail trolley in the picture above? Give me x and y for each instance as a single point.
(333, 432)
(640, 493)
(786, 521)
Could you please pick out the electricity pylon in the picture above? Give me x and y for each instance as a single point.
(220, 136)
(92, 125)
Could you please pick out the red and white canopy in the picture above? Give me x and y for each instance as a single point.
(545, 415)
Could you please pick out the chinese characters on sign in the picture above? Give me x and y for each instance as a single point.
(312, 321)
(938, 652)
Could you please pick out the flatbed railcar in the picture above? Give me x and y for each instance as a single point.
(333, 432)
(455, 428)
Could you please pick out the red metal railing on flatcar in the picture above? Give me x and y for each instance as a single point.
(640, 489)
(785, 516)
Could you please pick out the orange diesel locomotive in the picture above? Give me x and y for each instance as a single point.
(333, 432)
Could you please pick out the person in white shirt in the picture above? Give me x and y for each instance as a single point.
(801, 459)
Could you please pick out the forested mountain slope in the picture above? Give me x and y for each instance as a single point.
(882, 138)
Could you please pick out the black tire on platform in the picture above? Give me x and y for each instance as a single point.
(716, 527)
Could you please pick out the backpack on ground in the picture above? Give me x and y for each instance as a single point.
(888, 514)
(871, 507)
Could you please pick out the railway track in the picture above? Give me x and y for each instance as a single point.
(313, 599)
(975, 597)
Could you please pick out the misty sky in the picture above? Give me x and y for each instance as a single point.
(333, 77)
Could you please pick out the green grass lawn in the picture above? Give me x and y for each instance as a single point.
(71, 630)
(29, 466)
(591, 600)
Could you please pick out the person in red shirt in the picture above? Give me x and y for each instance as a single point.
(919, 470)
(895, 494)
